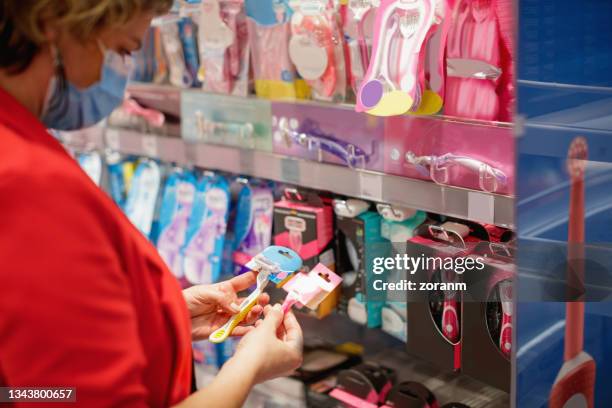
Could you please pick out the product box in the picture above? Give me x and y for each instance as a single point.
(358, 242)
(227, 120)
(488, 317)
(397, 227)
(338, 136)
(307, 228)
(436, 315)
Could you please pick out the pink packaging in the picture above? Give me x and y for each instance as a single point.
(339, 135)
(477, 156)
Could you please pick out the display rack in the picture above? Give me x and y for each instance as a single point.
(452, 201)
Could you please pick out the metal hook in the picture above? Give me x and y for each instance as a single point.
(440, 233)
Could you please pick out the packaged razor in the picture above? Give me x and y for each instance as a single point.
(204, 242)
(253, 223)
(269, 32)
(173, 48)
(274, 264)
(224, 47)
(317, 49)
(480, 61)
(488, 314)
(397, 226)
(310, 289)
(438, 313)
(359, 30)
(395, 79)
(176, 206)
(142, 197)
(91, 163)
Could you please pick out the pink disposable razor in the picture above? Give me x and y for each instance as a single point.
(575, 383)
(505, 336)
(310, 289)
(450, 316)
(295, 226)
(312, 32)
(392, 84)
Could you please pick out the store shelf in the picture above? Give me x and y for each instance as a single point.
(453, 201)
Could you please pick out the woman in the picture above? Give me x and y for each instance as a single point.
(85, 301)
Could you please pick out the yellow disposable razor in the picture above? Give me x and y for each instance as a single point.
(275, 264)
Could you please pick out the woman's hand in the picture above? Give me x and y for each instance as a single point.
(210, 306)
(274, 348)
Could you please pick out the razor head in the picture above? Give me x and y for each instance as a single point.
(276, 261)
(577, 156)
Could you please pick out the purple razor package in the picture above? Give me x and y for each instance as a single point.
(175, 211)
(253, 223)
(203, 250)
(339, 136)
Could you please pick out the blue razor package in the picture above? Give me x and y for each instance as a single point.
(176, 206)
(142, 198)
(203, 249)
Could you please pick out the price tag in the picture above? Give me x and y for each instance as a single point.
(290, 169)
(149, 146)
(112, 139)
(371, 186)
(481, 207)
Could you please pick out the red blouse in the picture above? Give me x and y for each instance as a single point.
(85, 300)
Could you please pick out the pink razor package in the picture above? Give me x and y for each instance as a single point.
(475, 156)
(310, 289)
(395, 81)
(359, 29)
(316, 49)
(480, 61)
(339, 136)
(269, 32)
(224, 47)
(487, 315)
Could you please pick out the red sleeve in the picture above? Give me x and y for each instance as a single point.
(66, 312)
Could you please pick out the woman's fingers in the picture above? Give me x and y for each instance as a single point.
(293, 331)
(243, 281)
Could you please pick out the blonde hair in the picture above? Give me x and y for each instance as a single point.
(21, 22)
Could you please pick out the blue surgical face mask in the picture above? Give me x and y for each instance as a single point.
(81, 108)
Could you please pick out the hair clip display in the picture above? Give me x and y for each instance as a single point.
(274, 264)
(394, 82)
(438, 169)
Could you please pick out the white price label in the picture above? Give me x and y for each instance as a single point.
(371, 186)
(481, 207)
(149, 146)
(112, 139)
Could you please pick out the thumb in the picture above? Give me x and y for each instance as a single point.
(274, 317)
